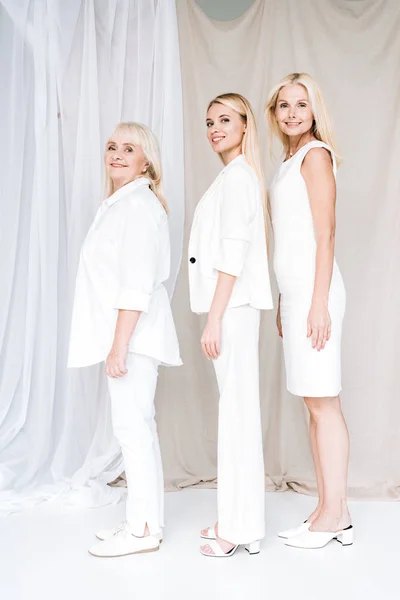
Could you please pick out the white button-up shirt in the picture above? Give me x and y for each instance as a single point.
(228, 235)
(124, 260)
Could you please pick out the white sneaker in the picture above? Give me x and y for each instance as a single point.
(105, 534)
(289, 533)
(124, 543)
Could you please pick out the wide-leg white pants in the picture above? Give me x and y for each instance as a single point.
(241, 486)
(132, 407)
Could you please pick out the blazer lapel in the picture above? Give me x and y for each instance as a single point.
(206, 195)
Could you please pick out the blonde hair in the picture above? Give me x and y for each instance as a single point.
(250, 143)
(140, 135)
(322, 126)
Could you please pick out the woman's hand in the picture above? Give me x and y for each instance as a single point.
(211, 338)
(319, 325)
(115, 361)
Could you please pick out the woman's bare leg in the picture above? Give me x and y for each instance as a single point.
(332, 445)
(318, 472)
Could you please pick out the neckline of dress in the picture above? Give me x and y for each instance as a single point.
(297, 151)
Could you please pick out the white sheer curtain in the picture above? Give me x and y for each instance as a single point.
(70, 71)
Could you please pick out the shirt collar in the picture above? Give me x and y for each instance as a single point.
(127, 189)
(235, 161)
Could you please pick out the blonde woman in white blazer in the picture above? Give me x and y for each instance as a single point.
(122, 315)
(228, 278)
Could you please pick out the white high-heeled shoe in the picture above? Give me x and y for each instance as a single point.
(210, 535)
(318, 539)
(252, 548)
(289, 533)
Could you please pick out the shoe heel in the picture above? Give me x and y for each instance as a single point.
(253, 547)
(346, 537)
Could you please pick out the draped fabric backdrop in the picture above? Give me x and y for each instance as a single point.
(352, 48)
(70, 71)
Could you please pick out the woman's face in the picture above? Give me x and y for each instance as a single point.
(124, 161)
(225, 129)
(293, 110)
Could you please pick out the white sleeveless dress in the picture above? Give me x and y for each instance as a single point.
(309, 372)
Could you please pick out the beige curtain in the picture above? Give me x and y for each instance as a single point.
(352, 48)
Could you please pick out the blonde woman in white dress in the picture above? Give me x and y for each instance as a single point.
(312, 294)
(228, 278)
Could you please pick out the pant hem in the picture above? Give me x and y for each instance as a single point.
(138, 530)
(240, 538)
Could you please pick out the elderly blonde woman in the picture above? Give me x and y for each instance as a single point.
(312, 294)
(228, 277)
(122, 316)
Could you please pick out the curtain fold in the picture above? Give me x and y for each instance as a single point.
(70, 72)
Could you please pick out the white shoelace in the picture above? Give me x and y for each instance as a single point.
(120, 528)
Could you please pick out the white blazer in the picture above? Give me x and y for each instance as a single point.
(228, 235)
(123, 262)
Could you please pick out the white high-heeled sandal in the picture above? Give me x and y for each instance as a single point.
(318, 539)
(252, 548)
(211, 534)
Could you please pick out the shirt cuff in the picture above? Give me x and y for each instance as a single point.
(231, 256)
(132, 300)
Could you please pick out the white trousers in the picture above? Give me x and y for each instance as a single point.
(132, 407)
(241, 484)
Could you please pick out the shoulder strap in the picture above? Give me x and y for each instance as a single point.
(300, 155)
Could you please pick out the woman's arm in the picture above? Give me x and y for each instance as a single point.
(321, 187)
(211, 338)
(126, 323)
(236, 213)
(138, 252)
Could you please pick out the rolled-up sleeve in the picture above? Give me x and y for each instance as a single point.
(239, 197)
(138, 251)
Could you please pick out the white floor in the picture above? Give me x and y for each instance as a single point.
(43, 555)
